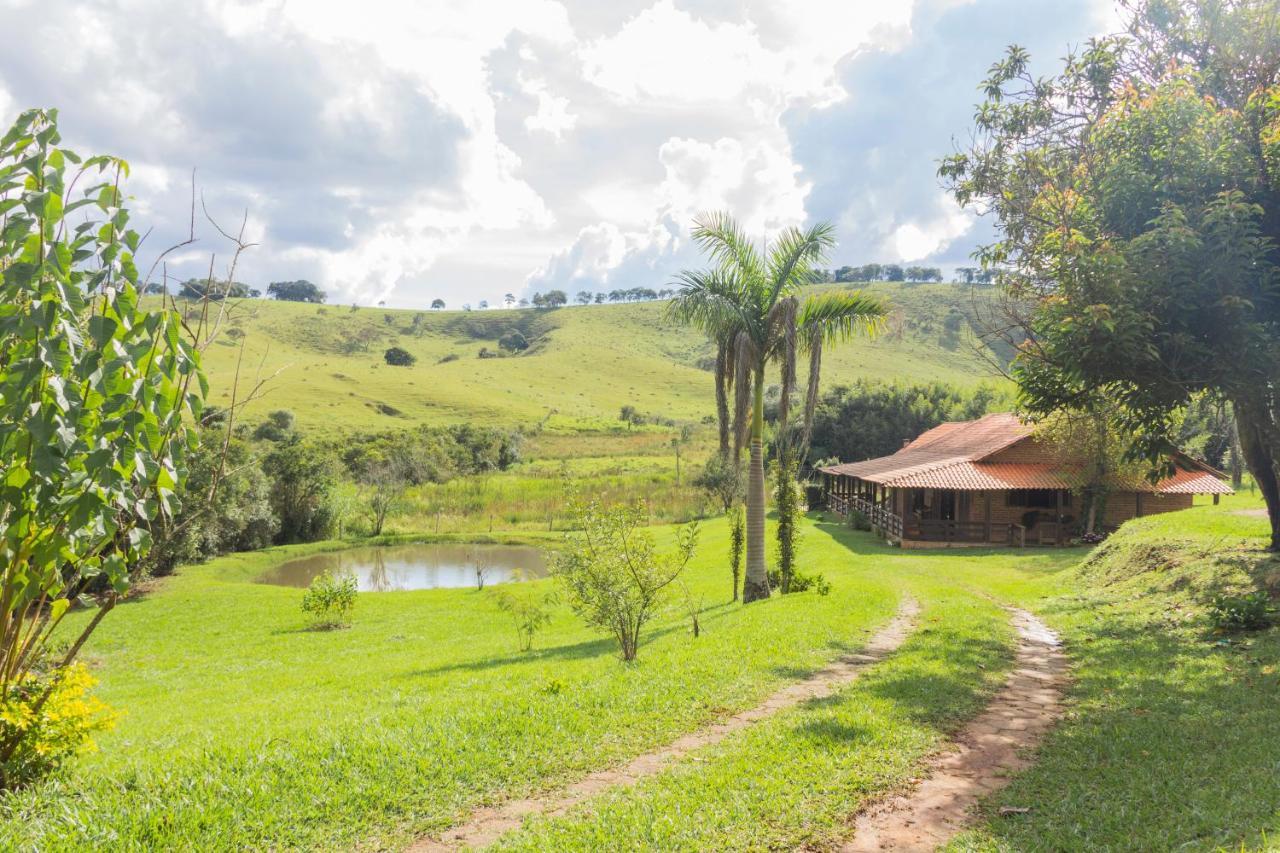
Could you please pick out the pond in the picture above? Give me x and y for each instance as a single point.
(423, 566)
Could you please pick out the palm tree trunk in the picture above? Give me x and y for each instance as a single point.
(722, 395)
(756, 584)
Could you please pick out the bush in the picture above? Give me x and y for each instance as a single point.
(301, 479)
(49, 733)
(1250, 612)
(329, 600)
(453, 356)
(399, 357)
(513, 341)
(529, 609)
(801, 583)
(858, 520)
(612, 572)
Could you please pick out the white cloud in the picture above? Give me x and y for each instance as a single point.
(553, 114)
(400, 150)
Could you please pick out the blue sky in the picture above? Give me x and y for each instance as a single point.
(403, 151)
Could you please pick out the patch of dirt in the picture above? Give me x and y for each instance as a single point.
(989, 750)
(487, 825)
(1255, 512)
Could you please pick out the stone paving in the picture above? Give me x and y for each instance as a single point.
(989, 750)
(486, 825)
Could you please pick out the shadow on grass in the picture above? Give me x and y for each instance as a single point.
(572, 651)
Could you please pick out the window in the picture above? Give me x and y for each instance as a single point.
(1036, 498)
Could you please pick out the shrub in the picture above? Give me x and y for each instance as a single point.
(529, 609)
(801, 583)
(513, 341)
(1248, 612)
(721, 478)
(614, 577)
(51, 730)
(453, 356)
(399, 357)
(301, 478)
(329, 600)
(858, 520)
(737, 545)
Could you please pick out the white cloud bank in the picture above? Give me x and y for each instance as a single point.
(391, 150)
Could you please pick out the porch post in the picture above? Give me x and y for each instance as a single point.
(987, 514)
(1058, 537)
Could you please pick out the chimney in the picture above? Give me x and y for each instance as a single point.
(905, 442)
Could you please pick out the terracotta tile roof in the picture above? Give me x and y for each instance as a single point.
(977, 476)
(1192, 483)
(945, 444)
(950, 456)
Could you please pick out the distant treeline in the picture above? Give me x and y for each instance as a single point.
(870, 419)
(897, 272)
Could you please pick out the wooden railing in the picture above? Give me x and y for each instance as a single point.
(892, 525)
(939, 530)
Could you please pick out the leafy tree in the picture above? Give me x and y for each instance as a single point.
(1088, 443)
(437, 304)
(600, 297)
(870, 419)
(212, 289)
(399, 357)
(97, 400)
(612, 573)
(584, 297)
(555, 298)
(753, 298)
(1138, 197)
(302, 475)
(484, 304)
(892, 272)
(296, 291)
(387, 480)
(513, 341)
(509, 300)
(225, 506)
(277, 427)
(721, 478)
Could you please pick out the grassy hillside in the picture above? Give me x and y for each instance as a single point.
(584, 363)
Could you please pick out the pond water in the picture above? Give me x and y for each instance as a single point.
(423, 566)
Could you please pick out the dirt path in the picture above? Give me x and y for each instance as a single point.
(486, 825)
(987, 754)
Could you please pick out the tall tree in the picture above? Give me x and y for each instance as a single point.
(752, 296)
(98, 404)
(1138, 195)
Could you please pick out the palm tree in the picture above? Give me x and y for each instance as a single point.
(750, 299)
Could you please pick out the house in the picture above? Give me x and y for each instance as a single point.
(991, 481)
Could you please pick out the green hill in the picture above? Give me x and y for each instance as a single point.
(325, 363)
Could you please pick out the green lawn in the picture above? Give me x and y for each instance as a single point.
(241, 730)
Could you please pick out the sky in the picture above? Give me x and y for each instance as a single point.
(401, 151)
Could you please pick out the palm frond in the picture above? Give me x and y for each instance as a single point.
(794, 255)
(719, 235)
(835, 316)
(709, 300)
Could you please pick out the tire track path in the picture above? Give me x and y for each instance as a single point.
(989, 750)
(486, 825)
